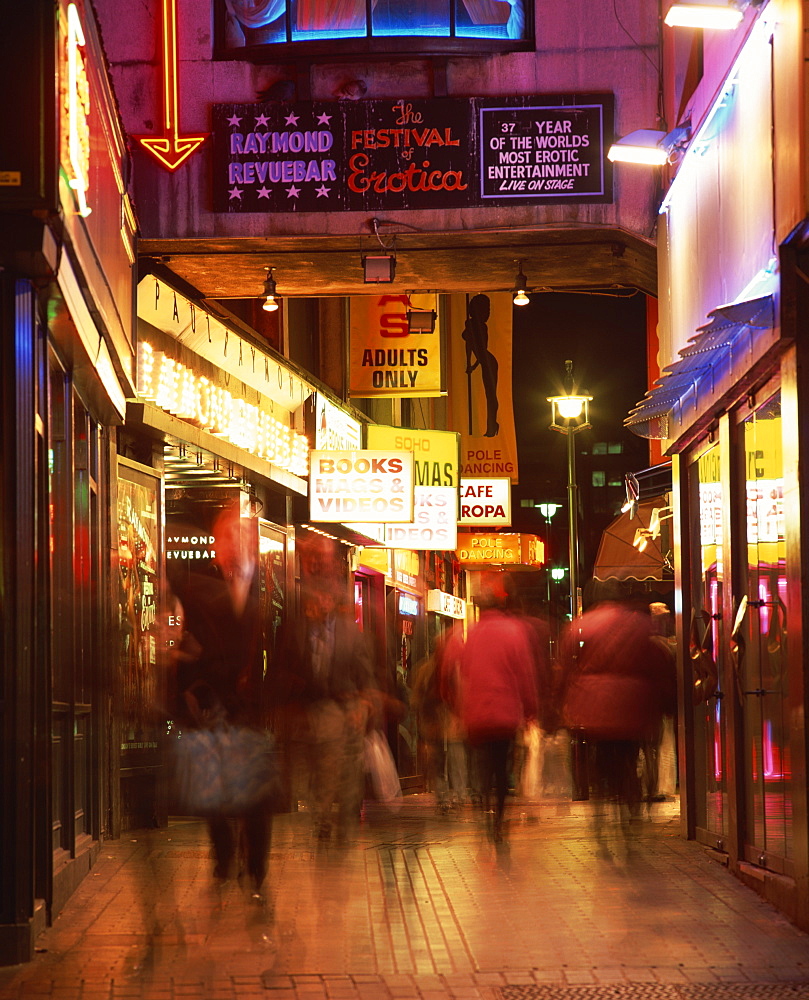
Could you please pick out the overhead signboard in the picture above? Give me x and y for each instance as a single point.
(357, 156)
(436, 454)
(485, 501)
(544, 151)
(335, 430)
(480, 406)
(446, 604)
(435, 495)
(434, 525)
(369, 486)
(385, 358)
(477, 551)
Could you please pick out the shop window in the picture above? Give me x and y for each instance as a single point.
(600, 448)
(249, 23)
(615, 448)
(599, 478)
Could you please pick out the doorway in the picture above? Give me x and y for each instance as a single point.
(759, 642)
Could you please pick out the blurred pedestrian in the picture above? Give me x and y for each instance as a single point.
(613, 699)
(219, 703)
(440, 731)
(324, 681)
(659, 755)
(497, 692)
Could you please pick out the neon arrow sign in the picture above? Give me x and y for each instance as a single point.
(171, 149)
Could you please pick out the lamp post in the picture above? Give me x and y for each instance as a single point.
(547, 510)
(570, 413)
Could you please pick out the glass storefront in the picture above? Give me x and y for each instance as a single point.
(75, 546)
(760, 646)
(141, 687)
(705, 649)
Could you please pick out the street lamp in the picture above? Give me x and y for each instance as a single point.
(547, 510)
(570, 413)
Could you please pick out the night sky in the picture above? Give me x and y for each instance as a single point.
(605, 337)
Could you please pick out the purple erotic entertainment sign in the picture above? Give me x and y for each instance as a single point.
(399, 154)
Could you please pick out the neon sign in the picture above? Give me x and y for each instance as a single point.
(171, 149)
(78, 111)
(176, 389)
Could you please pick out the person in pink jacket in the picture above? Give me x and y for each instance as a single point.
(496, 691)
(618, 684)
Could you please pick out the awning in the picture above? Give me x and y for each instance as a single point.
(618, 559)
(712, 360)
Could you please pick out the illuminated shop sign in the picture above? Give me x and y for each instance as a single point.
(78, 112)
(550, 152)
(171, 148)
(408, 605)
(435, 498)
(436, 454)
(386, 359)
(370, 486)
(434, 524)
(406, 566)
(190, 547)
(335, 430)
(355, 156)
(446, 604)
(163, 307)
(485, 501)
(477, 550)
(178, 390)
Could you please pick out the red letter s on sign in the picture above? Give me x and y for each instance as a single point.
(393, 325)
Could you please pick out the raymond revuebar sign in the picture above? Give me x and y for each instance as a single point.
(371, 486)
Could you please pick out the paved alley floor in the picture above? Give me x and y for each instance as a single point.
(422, 906)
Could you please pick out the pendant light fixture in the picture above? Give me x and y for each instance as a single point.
(271, 303)
(520, 290)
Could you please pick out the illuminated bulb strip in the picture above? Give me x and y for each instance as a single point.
(177, 390)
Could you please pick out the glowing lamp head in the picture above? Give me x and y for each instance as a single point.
(570, 407)
(709, 14)
(641, 146)
(520, 298)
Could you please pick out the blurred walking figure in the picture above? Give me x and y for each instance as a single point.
(325, 684)
(660, 756)
(614, 696)
(497, 692)
(228, 768)
(440, 729)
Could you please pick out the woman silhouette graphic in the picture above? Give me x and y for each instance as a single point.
(476, 335)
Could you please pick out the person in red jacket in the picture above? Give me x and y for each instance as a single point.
(615, 693)
(496, 691)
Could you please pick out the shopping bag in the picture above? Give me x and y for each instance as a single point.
(224, 770)
(381, 767)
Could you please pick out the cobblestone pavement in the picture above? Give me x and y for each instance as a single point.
(422, 906)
